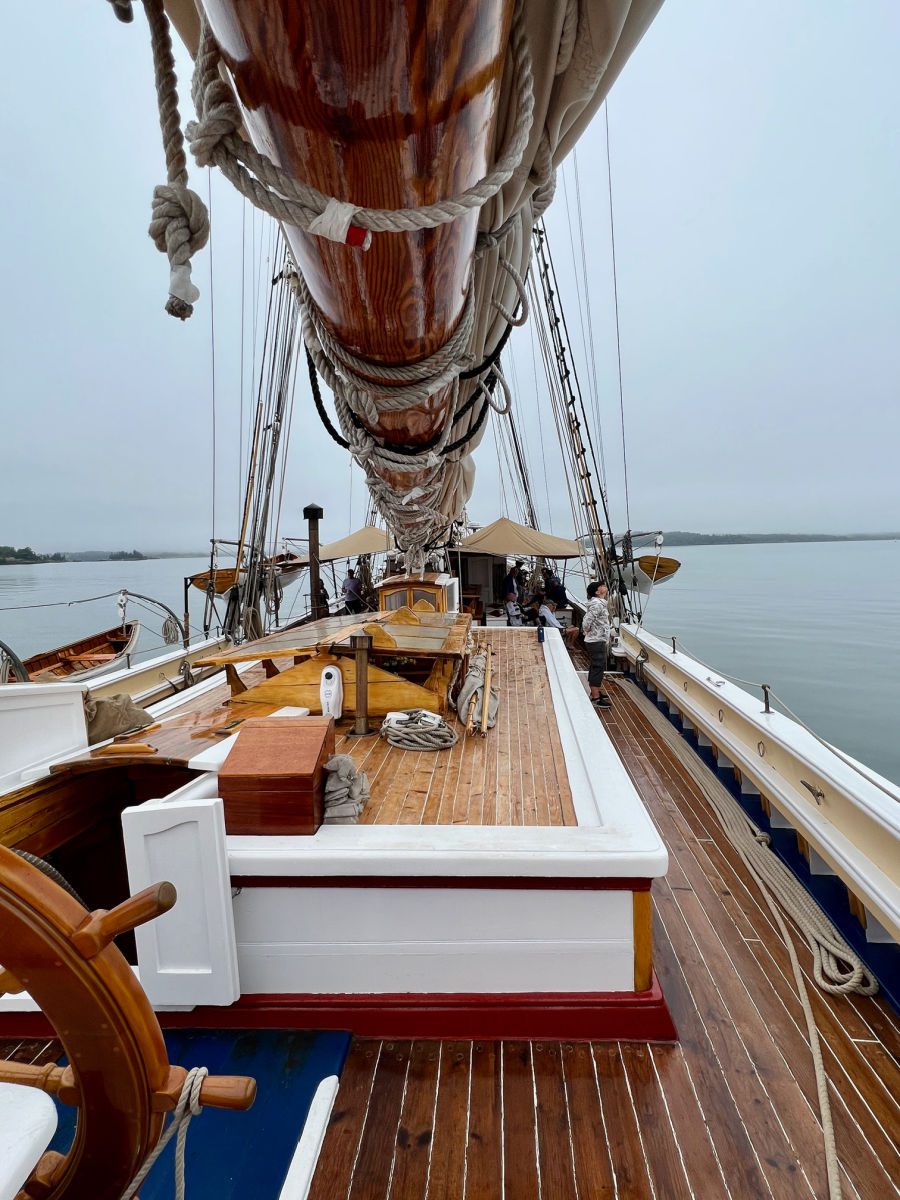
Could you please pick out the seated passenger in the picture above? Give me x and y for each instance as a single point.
(530, 612)
(513, 612)
(547, 616)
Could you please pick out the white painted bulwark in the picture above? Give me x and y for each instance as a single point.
(27, 1124)
(38, 723)
(187, 956)
(359, 940)
(854, 826)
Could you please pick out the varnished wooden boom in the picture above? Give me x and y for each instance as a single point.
(392, 105)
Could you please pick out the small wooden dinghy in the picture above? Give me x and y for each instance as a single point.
(83, 659)
(287, 568)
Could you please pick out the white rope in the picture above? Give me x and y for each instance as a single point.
(418, 732)
(836, 968)
(188, 1106)
(180, 223)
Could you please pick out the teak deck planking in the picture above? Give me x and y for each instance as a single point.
(730, 1111)
(514, 776)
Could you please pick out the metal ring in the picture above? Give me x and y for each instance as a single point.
(721, 715)
(685, 685)
(761, 749)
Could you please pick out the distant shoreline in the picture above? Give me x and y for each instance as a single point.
(680, 537)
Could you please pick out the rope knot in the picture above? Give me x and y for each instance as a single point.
(220, 119)
(179, 227)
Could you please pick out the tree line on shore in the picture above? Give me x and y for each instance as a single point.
(11, 555)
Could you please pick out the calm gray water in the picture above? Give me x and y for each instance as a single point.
(819, 621)
(28, 630)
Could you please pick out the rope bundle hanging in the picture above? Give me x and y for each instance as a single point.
(180, 223)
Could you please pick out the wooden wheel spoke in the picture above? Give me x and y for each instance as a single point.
(56, 1081)
(43, 1178)
(9, 984)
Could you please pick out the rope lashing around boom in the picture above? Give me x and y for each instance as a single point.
(180, 224)
(215, 139)
(420, 730)
(836, 968)
(188, 1106)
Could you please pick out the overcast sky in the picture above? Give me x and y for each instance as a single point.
(756, 184)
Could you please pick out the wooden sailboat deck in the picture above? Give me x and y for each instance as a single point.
(514, 776)
(730, 1111)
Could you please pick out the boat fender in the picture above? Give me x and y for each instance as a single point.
(331, 692)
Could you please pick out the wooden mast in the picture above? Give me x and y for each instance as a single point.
(388, 104)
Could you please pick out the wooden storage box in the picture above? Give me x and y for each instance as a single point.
(273, 781)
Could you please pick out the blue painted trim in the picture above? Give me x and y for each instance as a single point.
(882, 959)
(241, 1155)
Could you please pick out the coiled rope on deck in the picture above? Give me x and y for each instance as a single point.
(418, 732)
(836, 968)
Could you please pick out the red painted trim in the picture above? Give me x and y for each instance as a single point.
(557, 1016)
(577, 1016)
(540, 883)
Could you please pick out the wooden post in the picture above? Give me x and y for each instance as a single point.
(643, 941)
(314, 514)
(486, 692)
(362, 644)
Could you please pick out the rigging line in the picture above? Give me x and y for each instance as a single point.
(59, 603)
(590, 322)
(525, 457)
(612, 242)
(591, 375)
(243, 306)
(556, 401)
(212, 343)
(288, 419)
(540, 439)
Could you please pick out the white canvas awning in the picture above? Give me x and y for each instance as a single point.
(506, 539)
(367, 540)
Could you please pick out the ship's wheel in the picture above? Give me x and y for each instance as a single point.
(119, 1075)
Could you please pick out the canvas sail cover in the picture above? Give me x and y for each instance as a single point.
(507, 539)
(368, 540)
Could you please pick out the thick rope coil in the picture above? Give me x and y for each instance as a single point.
(214, 139)
(188, 1107)
(170, 631)
(419, 733)
(180, 223)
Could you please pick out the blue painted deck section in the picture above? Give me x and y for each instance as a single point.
(246, 1154)
(830, 892)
